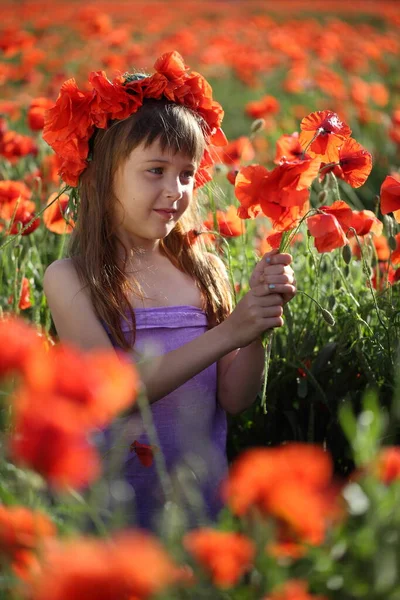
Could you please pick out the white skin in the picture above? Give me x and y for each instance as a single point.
(151, 179)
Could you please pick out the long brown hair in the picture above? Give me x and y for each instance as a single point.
(94, 242)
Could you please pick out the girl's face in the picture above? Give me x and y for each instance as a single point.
(154, 188)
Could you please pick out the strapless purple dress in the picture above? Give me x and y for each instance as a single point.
(191, 426)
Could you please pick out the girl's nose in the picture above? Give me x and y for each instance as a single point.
(173, 188)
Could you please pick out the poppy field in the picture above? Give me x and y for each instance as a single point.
(311, 96)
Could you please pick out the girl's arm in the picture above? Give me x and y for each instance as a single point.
(77, 323)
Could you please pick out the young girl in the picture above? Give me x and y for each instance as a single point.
(136, 148)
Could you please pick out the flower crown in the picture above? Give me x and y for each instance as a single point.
(71, 122)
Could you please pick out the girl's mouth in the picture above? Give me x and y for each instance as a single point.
(166, 214)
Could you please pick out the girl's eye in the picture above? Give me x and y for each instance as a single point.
(188, 174)
(156, 170)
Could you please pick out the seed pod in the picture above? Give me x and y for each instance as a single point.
(328, 317)
(392, 243)
(346, 270)
(257, 125)
(322, 196)
(346, 253)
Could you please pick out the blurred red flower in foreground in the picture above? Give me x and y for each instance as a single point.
(22, 533)
(291, 483)
(48, 443)
(63, 394)
(326, 132)
(224, 554)
(132, 565)
(293, 590)
(20, 347)
(390, 196)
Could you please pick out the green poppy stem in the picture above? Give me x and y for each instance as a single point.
(269, 336)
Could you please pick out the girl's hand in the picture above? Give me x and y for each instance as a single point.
(273, 270)
(258, 311)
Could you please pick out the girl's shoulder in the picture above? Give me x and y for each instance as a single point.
(71, 307)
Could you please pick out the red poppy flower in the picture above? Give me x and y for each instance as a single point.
(54, 216)
(36, 112)
(106, 385)
(111, 101)
(288, 147)
(355, 163)
(22, 533)
(21, 216)
(390, 196)
(329, 132)
(45, 441)
(326, 231)
(145, 452)
(341, 211)
(365, 221)
(224, 554)
(19, 345)
(11, 191)
(248, 185)
(271, 481)
(171, 65)
(24, 299)
(268, 105)
(14, 145)
(132, 565)
(236, 151)
(229, 224)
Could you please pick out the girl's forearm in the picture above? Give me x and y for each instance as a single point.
(239, 385)
(160, 375)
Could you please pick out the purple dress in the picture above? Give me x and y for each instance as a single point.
(191, 426)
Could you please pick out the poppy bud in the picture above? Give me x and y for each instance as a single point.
(388, 223)
(322, 196)
(257, 125)
(346, 253)
(392, 243)
(327, 316)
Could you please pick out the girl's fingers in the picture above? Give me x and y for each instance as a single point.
(274, 270)
(277, 258)
(272, 322)
(275, 291)
(276, 279)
